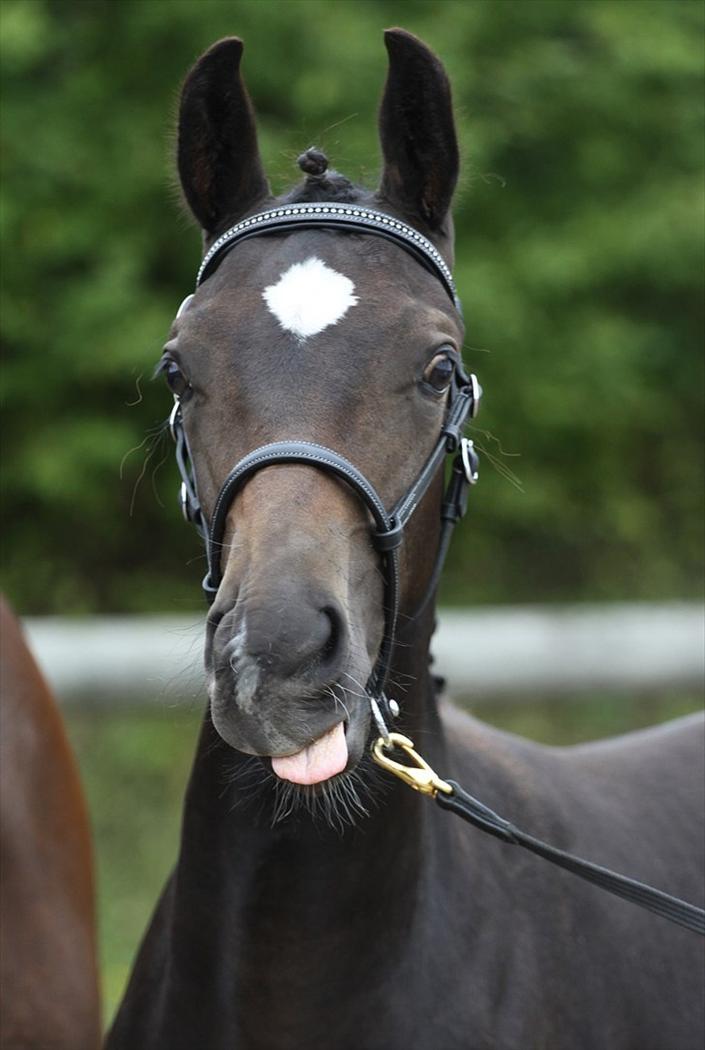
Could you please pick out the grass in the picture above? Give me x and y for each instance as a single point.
(135, 765)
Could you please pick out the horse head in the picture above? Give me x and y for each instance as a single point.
(324, 338)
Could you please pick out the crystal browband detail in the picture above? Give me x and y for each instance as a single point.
(338, 216)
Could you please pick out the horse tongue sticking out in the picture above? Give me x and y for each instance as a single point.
(319, 761)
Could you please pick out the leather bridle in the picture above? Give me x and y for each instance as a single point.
(388, 529)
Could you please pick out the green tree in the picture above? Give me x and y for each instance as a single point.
(580, 262)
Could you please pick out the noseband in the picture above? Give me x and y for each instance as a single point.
(388, 529)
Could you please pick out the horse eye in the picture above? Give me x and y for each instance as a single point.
(439, 372)
(176, 380)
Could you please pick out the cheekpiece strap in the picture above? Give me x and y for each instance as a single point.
(349, 217)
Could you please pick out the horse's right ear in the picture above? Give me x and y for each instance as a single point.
(218, 159)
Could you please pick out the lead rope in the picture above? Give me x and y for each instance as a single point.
(449, 795)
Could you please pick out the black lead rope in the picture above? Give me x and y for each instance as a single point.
(657, 901)
(451, 796)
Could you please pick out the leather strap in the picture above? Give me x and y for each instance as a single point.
(347, 217)
(188, 496)
(672, 908)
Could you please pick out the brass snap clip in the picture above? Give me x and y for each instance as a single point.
(419, 776)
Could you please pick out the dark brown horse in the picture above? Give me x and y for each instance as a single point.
(316, 902)
(49, 996)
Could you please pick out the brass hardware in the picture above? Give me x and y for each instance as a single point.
(420, 776)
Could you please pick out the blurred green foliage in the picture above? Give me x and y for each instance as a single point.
(579, 259)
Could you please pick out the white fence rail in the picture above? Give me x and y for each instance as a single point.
(486, 652)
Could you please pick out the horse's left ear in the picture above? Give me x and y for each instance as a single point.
(417, 132)
(218, 158)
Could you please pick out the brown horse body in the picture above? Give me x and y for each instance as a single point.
(48, 975)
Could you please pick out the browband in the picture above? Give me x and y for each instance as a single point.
(350, 217)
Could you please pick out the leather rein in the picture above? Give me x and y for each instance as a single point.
(387, 534)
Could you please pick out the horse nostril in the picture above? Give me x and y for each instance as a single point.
(291, 638)
(331, 647)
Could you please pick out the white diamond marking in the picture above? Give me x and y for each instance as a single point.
(309, 297)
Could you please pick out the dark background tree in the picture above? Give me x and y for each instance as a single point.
(579, 224)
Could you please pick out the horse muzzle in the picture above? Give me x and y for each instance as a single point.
(284, 684)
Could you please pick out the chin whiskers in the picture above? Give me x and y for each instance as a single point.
(339, 803)
(338, 701)
(245, 779)
(360, 692)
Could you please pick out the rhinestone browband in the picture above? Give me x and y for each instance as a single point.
(333, 216)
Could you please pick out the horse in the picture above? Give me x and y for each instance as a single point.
(315, 900)
(49, 996)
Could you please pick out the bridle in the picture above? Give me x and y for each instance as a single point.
(388, 529)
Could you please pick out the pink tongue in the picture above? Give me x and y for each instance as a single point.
(320, 760)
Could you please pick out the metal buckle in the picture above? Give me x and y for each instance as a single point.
(184, 306)
(379, 721)
(471, 464)
(174, 418)
(476, 395)
(185, 501)
(419, 776)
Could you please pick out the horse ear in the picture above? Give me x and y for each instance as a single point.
(417, 132)
(218, 159)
